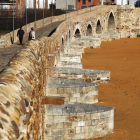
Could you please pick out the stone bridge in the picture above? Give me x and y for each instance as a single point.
(45, 93)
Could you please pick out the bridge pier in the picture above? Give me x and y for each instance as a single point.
(79, 87)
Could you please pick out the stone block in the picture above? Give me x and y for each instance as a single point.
(88, 123)
(48, 132)
(88, 117)
(59, 125)
(61, 119)
(57, 111)
(78, 136)
(49, 119)
(104, 132)
(110, 126)
(81, 123)
(60, 91)
(68, 124)
(102, 121)
(95, 116)
(58, 132)
(78, 129)
(95, 122)
(52, 91)
(93, 128)
(110, 120)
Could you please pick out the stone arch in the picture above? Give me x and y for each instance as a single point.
(89, 30)
(77, 33)
(111, 23)
(98, 27)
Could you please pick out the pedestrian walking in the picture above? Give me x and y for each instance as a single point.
(20, 35)
(32, 34)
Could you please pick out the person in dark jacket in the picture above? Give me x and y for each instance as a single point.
(20, 34)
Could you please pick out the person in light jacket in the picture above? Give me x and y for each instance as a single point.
(32, 34)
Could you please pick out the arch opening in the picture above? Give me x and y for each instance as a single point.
(69, 34)
(89, 30)
(77, 34)
(111, 23)
(62, 44)
(98, 27)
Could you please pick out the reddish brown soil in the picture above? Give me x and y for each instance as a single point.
(122, 58)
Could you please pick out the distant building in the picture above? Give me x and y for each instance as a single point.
(6, 8)
(81, 4)
(65, 4)
(127, 2)
(39, 4)
(75, 4)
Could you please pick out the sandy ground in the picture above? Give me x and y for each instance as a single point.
(122, 58)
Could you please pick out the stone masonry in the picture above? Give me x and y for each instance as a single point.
(50, 66)
(75, 121)
(78, 118)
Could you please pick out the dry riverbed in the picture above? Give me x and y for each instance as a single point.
(122, 58)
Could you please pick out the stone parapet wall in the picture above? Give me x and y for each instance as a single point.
(74, 121)
(21, 88)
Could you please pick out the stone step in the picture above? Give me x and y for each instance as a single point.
(74, 50)
(73, 90)
(78, 121)
(70, 58)
(86, 42)
(108, 36)
(95, 76)
(69, 64)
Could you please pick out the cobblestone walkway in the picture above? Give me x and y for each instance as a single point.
(6, 54)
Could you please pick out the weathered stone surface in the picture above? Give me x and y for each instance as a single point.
(95, 76)
(25, 79)
(81, 122)
(73, 90)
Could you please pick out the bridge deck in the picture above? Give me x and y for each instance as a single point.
(6, 54)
